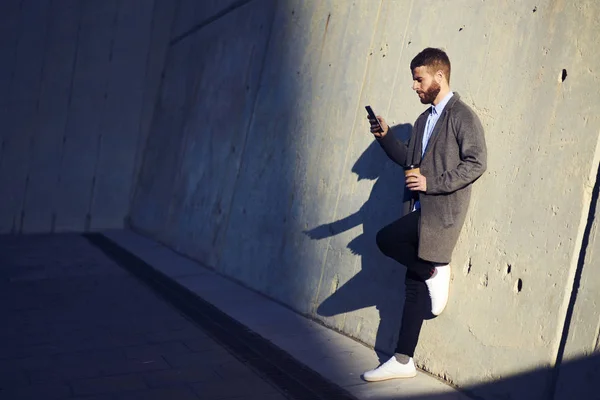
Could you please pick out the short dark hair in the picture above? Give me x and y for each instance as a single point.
(433, 59)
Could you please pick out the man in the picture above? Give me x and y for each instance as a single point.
(448, 144)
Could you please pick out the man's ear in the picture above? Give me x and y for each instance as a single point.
(439, 76)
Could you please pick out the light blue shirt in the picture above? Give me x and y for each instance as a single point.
(432, 119)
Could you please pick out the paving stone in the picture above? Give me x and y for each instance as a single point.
(101, 397)
(188, 333)
(181, 375)
(134, 365)
(64, 374)
(175, 393)
(269, 396)
(201, 344)
(159, 349)
(232, 388)
(110, 384)
(36, 392)
(234, 370)
(213, 357)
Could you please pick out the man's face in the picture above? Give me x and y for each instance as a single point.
(425, 84)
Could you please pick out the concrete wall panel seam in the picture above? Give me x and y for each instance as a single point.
(21, 111)
(179, 172)
(140, 136)
(66, 121)
(401, 61)
(36, 130)
(89, 216)
(246, 135)
(145, 136)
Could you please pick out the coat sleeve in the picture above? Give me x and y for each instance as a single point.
(394, 148)
(473, 157)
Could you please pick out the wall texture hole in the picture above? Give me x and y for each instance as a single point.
(508, 269)
(519, 285)
(563, 76)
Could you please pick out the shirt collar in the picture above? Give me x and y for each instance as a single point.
(436, 110)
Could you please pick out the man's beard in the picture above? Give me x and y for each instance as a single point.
(431, 93)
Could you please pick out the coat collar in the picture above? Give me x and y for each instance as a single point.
(452, 101)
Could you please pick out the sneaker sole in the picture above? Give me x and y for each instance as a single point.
(387, 378)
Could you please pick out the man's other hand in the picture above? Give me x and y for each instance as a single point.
(375, 127)
(416, 182)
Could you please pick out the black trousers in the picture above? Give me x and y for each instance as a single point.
(400, 241)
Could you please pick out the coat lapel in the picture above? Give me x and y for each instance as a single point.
(422, 122)
(442, 122)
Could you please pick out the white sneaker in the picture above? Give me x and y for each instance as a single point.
(439, 286)
(391, 369)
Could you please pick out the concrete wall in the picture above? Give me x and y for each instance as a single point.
(77, 82)
(259, 164)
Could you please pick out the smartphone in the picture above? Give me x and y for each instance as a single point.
(372, 116)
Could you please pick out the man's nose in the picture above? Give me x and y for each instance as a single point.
(414, 86)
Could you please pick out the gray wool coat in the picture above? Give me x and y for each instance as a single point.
(455, 157)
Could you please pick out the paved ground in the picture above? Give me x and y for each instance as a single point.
(77, 326)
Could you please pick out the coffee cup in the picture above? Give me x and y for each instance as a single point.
(411, 169)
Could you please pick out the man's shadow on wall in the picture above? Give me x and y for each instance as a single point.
(380, 282)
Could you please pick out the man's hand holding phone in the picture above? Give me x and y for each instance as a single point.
(379, 128)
